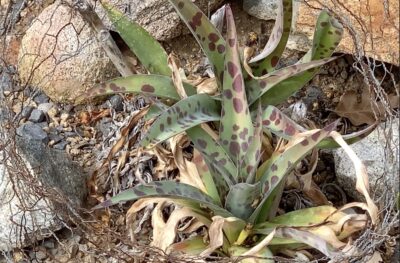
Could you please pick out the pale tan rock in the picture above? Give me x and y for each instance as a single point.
(376, 25)
(61, 55)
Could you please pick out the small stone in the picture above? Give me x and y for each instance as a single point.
(116, 102)
(73, 250)
(64, 116)
(41, 98)
(69, 134)
(60, 145)
(45, 107)
(40, 255)
(37, 116)
(49, 244)
(26, 112)
(32, 131)
(55, 138)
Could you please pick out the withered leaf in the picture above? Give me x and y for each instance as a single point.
(364, 111)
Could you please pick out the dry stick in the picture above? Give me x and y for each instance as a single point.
(103, 36)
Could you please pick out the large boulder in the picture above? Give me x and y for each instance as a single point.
(60, 54)
(26, 215)
(380, 153)
(156, 16)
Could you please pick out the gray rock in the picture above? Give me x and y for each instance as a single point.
(26, 112)
(55, 138)
(116, 102)
(266, 9)
(263, 9)
(36, 116)
(60, 145)
(54, 170)
(6, 81)
(45, 107)
(41, 98)
(381, 157)
(32, 131)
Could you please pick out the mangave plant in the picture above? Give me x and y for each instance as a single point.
(241, 187)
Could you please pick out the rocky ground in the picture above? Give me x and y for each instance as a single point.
(87, 133)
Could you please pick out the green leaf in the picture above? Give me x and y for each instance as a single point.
(149, 52)
(279, 124)
(216, 158)
(208, 37)
(241, 199)
(272, 93)
(170, 189)
(263, 256)
(286, 128)
(183, 115)
(253, 155)
(299, 218)
(206, 177)
(152, 85)
(285, 163)
(267, 60)
(236, 128)
(327, 36)
(192, 246)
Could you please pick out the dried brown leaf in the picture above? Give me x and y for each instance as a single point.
(362, 108)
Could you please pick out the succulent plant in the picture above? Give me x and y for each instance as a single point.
(242, 186)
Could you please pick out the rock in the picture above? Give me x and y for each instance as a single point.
(36, 116)
(45, 107)
(32, 131)
(156, 16)
(265, 9)
(378, 20)
(381, 159)
(77, 61)
(41, 98)
(6, 81)
(60, 145)
(26, 112)
(116, 102)
(53, 169)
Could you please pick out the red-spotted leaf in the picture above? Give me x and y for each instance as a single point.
(241, 199)
(183, 115)
(221, 166)
(204, 31)
(236, 128)
(285, 162)
(267, 60)
(284, 127)
(270, 90)
(151, 85)
(169, 189)
(328, 33)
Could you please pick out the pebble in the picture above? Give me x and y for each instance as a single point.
(41, 98)
(45, 107)
(60, 145)
(36, 116)
(116, 102)
(55, 138)
(32, 131)
(26, 112)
